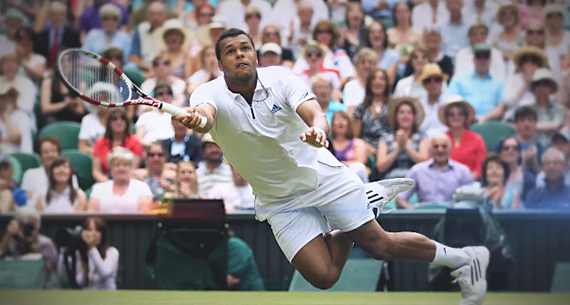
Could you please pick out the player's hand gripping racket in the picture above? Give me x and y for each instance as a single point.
(98, 81)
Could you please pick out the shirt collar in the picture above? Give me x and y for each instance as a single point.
(474, 75)
(259, 88)
(431, 163)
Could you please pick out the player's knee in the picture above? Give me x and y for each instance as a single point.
(324, 280)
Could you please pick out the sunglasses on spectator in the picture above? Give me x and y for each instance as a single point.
(510, 147)
(326, 31)
(271, 33)
(161, 93)
(118, 118)
(430, 80)
(530, 58)
(158, 63)
(483, 55)
(532, 32)
(454, 113)
(549, 15)
(315, 54)
(436, 146)
(107, 18)
(253, 15)
(150, 155)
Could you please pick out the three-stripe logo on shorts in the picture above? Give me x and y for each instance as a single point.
(476, 273)
(373, 197)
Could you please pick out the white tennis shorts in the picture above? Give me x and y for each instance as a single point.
(338, 203)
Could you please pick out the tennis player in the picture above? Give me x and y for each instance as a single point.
(272, 130)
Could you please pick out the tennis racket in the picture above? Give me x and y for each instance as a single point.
(98, 81)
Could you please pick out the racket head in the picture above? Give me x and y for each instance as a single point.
(94, 78)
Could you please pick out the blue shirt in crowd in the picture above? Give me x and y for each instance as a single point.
(484, 94)
(454, 38)
(549, 198)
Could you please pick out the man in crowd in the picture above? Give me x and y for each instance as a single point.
(437, 178)
(479, 87)
(554, 194)
(184, 145)
(454, 32)
(322, 87)
(432, 79)
(525, 131)
(212, 170)
(237, 195)
(270, 55)
(560, 141)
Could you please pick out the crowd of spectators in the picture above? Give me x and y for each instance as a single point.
(403, 83)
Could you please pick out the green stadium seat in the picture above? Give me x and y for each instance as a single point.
(492, 132)
(18, 173)
(66, 132)
(357, 275)
(134, 74)
(27, 161)
(561, 278)
(82, 164)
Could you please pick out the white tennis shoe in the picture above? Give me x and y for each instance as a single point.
(379, 193)
(472, 277)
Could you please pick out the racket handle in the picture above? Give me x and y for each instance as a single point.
(175, 110)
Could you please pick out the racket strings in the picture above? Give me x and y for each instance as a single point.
(94, 79)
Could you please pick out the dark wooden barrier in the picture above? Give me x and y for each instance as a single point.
(538, 240)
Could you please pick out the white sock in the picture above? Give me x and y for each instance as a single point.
(450, 257)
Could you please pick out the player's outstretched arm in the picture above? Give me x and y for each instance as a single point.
(195, 115)
(311, 113)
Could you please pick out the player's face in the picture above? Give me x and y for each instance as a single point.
(238, 58)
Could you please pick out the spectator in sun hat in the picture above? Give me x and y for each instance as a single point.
(550, 113)
(482, 89)
(510, 37)
(536, 36)
(13, 20)
(556, 36)
(467, 147)
(399, 150)
(270, 54)
(517, 93)
(173, 40)
(432, 79)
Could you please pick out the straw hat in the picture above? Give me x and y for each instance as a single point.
(543, 75)
(432, 70)
(172, 25)
(395, 103)
(532, 51)
(456, 100)
(508, 6)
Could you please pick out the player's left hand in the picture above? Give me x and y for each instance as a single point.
(315, 137)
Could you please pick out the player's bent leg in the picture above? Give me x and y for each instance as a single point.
(321, 260)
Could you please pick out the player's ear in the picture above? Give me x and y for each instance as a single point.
(220, 67)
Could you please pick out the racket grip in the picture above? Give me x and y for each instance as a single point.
(175, 110)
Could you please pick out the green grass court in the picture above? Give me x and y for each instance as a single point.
(133, 297)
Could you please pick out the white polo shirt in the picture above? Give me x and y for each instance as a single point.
(262, 141)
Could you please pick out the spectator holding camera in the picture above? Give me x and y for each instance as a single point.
(97, 262)
(22, 237)
(61, 196)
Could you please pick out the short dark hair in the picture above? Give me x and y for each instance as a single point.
(233, 32)
(494, 158)
(53, 140)
(524, 112)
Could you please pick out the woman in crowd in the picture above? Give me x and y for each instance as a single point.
(32, 65)
(365, 61)
(253, 19)
(202, 34)
(173, 40)
(117, 133)
(98, 263)
(15, 125)
(162, 74)
(495, 177)
(61, 196)
(556, 36)
(388, 59)
(335, 59)
(209, 71)
(353, 36)
(347, 149)
(110, 35)
(371, 116)
(517, 92)
(314, 55)
(411, 86)
(201, 15)
(122, 194)
(271, 33)
(510, 38)
(57, 102)
(520, 180)
(158, 175)
(155, 124)
(403, 31)
(399, 150)
(186, 185)
(467, 147)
